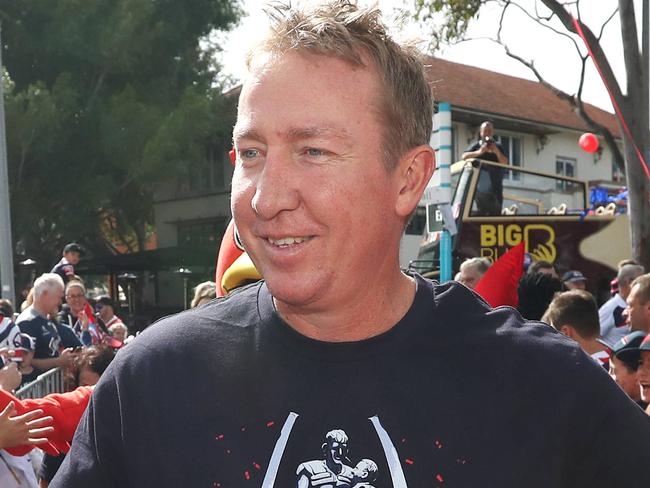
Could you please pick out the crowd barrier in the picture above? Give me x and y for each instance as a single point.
(49, 382)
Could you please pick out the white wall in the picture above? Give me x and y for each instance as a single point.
(588, 166)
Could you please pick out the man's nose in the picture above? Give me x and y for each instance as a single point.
(276, 189)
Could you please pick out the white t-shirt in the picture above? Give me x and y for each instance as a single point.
(613, 325)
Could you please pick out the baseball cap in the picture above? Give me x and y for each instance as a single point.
(632, 355)
(106, 300)
(573, 276)
(73, 247)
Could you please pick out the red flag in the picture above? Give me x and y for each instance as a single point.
(498, 286)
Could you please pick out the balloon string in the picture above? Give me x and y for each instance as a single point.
(619, 114)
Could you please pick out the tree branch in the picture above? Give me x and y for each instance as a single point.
(551, 28)
(576, 104)
(602, 28)
(567, 20)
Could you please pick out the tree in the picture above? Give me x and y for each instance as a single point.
(105, 100)
(633, 100)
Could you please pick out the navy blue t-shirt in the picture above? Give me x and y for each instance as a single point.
(454, 395)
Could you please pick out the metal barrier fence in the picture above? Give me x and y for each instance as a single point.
(49, 382)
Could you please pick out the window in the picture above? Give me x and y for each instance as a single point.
(208, 174)
(618, 175)
(196, 234)
(565, 167)
(512, 148)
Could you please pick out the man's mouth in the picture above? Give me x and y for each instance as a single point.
(288, 241)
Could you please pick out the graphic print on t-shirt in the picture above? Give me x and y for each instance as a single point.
(335, 468)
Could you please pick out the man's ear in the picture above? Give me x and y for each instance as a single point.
(568, 331)
(415, 168)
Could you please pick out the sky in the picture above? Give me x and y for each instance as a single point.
(555, 56)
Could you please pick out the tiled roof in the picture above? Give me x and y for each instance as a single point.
(476, 89)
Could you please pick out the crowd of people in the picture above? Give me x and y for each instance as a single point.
(616, 334)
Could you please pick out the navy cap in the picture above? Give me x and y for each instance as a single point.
(631, 355)
(73, 247)
(573, 276)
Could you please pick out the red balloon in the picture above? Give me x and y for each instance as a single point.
(589, 142)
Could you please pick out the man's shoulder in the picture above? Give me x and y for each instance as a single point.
(29, 316)
(472, 321)
(612, 303)
(313, 467)
(235, 315)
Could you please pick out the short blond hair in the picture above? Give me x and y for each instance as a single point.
(342, 30)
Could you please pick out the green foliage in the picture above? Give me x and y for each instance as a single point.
(105, 100)
(453, 16)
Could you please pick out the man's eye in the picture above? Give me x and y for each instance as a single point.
(249, 153)
(312, 151)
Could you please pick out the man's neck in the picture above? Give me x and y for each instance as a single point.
(371, 312)
(39, 310)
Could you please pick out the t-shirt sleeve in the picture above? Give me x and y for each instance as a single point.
(473, 147)
(96, 457)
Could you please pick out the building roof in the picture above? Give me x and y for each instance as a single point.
(512, 103)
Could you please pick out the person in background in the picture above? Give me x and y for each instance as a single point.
(613, 323)
(542, 266)
(78, 316)
(490, 199)
(471, 271)
(574, 280)
(72, 253)
(638, 304)
(623, 370)
(88, 368)
(8, 329)
(119, 331)
(640, 355)
(105, 307)
(203, 293)
(575, 314)
(36, 322)
(24, 346)
(536, 292)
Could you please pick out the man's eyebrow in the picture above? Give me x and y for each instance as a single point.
(245, 133)
(300, 133)
(294, 134)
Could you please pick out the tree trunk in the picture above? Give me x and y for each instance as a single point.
(638, 186)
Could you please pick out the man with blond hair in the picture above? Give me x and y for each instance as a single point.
(332, 157)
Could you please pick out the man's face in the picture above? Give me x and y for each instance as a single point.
(312, 200)
(576, 285)
(50, 300)
(105, 312)
(470, 277)
(643, 376)
(625, 377)
(336, 451)
(486, 131)
(638, 314)
(76, 298)
(72, 257)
